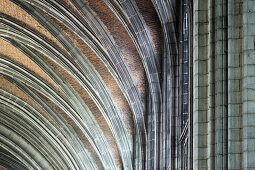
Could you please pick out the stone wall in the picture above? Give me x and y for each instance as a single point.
(223, 80)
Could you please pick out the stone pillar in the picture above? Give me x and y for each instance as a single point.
(200, 81)
(248, 86)
(211, 86)
(234, 84)
(221, 114)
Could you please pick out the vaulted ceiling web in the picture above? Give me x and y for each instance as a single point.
(74, 81)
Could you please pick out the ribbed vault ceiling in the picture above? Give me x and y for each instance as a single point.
(74, 80)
